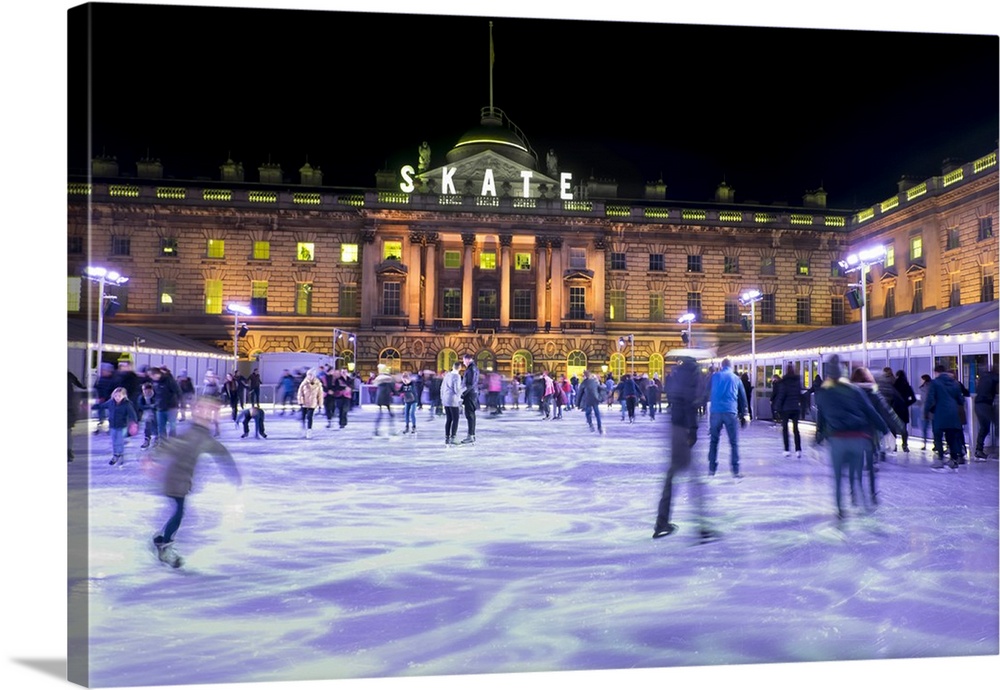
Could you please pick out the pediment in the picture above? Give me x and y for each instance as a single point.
(577, 275)
(390, 267)
(474, 168)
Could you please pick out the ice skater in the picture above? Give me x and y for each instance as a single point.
(727, 400)
(121, 413)
(256, 414)
(685, 390)
(310, 399)
(470, 395)
(591, 396)
(180, 456)
(451, 399)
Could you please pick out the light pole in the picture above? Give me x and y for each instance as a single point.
(101, 276)
(861, 261)
(352, 339)
(689, 319)
(238, 310)
(630, 338)
(751, 297)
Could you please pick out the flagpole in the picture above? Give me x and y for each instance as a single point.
(491, 68)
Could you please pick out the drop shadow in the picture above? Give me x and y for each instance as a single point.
(50, 667)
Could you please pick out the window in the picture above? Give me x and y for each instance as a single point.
(837, 271)
(655, 307)
(767, 266)
(522, 304)
(348, 253)
(837, 311)
(955, 294)
(802, 267)
(216, 249)
(986, 293)
(694, 304)
(390, 299)
(890, 256)
(577, 257)
(694, 263)
(985, 228)
(121, 245)
(916, 248)
(213, 296)
(74, 287)
(656, 262)
(576, 364)
(618, 261)
(74, 244)
(452, 259)
(731, 264)
(889, 308)
(348, 302)
(918, 297)
(616, 305)
(451, 305)
(166, 288)
(305, 251)
(767, 314)
(488, 261)
(803, 310)
(391, 358)
(656, 365)
(522, 261)
(262, 250)
(168, 246)
(486, 304)
(520, 363)
(953, 239)
(732, 310)
(616, 365)
(446, 359)
(486, 361)
(303, 298)
(392, 250)
(258, 297)
(577, 303)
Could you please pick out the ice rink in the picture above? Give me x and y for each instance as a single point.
(347, 556)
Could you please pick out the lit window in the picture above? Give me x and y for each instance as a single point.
(802, 267)
(916, 247)
(349, 305)
(262, 250)
(656, 307)
(488, 260)
(258, 297)
(303, 299)
(522, 261)
(890, 256)
(216, 250)
(616, 305)
(349, 253)
(392, 250)
(452, 259)
(167, 289)
(74, 286)
(985, 228)
(213, 296)
(305, 251)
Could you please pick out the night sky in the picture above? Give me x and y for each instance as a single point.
(774, 112)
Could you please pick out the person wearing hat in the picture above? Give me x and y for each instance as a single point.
(846, 418)
(470, 395)
(686, 392)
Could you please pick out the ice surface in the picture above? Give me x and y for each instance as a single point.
(348, 556)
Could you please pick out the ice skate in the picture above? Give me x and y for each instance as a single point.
(469, 440)
(165, 552)
(660, 532)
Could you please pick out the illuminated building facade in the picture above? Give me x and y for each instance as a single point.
(497, 252)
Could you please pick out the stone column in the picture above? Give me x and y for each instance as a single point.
(468, 240)
(430, 281)
(558, 286)
(598, 298)
(369, 286)
(505, 268)
(541, 279)
(413, 274)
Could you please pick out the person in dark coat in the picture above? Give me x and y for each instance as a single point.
(254, 383)
(179, 455)
(130, 381)
(102, 391)
(168, 399)
(686, 392)
(591, 395)
(901, 404)
(470, 396)
(864, 380)
(256, 414)
(652, 397)
(846, 420)
(385, 388)
(788, 402)
(748, 387)
(986, 393)
(946, 404)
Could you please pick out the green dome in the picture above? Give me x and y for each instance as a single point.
(492, 134)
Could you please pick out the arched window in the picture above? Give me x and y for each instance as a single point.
(390, 357)
(521, 362)
(446, 359)
(345, 360)
(576, 362)
(486, 361)
(616, 364)
(656, 365)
